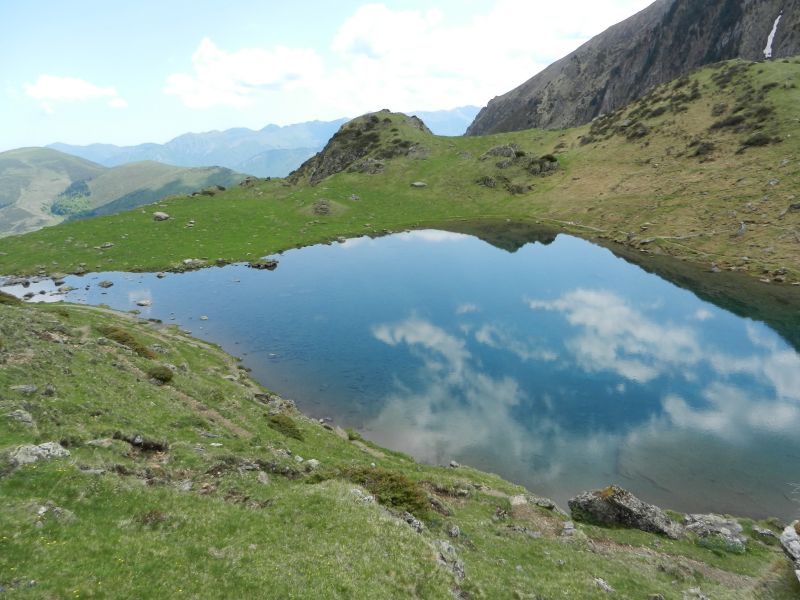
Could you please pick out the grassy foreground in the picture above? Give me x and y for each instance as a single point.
(183, 480)
(704, 169)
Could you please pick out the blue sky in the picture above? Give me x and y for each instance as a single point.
(130, 72)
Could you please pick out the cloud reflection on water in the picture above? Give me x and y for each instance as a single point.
(743, 402)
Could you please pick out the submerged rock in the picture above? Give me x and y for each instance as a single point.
(267, 264)
(616, 506)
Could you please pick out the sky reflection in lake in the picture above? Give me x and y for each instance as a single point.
(560, 367)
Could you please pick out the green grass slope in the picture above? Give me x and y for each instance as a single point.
(41, 187)
(134, 184)
(183, 480)
(704, 169)
(30, 178)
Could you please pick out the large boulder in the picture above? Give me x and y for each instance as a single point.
(790, 540)
(615, 506)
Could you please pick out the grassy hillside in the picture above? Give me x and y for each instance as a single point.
(41, 187)
(183, 480)
(30, 178)
(704, 169)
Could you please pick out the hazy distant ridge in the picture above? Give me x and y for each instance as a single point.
(273, 151)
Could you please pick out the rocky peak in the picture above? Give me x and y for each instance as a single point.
(666, 40)
(363, 145)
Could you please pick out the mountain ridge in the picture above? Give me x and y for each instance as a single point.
(272, 151)
(666, 40)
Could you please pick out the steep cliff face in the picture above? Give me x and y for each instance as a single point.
(666, 40)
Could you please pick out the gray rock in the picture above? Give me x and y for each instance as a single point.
(101, 443)
(454, 464)
(454, 531)
(714, 526)
(24, 455)
(569, 529)
(790, 542)
(363, 497)
(618, 507)
(185, 485)
(27, 389)
(160, 216)
(764, 534)
(312, 463)
(415, 523)
(49, 390)
(603, 585)
(505, 150)
(107, 245)
(419, 184)
(262, 478)
(448, 556)
(144, 303)
(23, 417)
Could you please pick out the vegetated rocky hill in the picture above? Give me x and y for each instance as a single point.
(668, 39)
(41, 187)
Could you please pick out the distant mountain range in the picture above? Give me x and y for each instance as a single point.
(41, 187)
(667, 40)
(273, 151)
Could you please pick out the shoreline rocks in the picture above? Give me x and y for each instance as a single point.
(790, 542)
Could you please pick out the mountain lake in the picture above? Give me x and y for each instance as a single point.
(554, 363)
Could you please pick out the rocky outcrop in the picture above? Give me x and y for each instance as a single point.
(615, 506)
(668, 39)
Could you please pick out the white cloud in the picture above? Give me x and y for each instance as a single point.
(434, 340)
(619, 338)
(703, 314)
(405, 60)
(50, 90)
(238, 79)
(494, 337)
(466, 308)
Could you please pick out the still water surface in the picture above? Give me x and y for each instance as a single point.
(558, 366)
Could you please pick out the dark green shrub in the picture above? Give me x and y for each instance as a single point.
(702, 147)
(718, 109)
(758, 139)
(126, 338)
(731, 121)
(391, 489)
(160, 373)
(285, 424)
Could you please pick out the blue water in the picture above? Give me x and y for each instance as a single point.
(560, 367)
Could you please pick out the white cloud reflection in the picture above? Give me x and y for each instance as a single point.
(729, 434)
